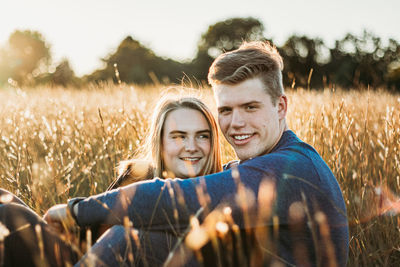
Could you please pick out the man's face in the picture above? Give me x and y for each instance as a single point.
(248, 119)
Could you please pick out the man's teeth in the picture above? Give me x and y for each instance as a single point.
(241, 137)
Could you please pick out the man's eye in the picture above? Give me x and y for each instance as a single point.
(251, 107)
(224, 111)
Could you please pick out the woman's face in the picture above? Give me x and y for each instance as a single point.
(186, 142)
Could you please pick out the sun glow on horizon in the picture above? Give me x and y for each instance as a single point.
(86, 31)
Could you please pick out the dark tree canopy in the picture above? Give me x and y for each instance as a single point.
(354, 62)
(301, 56)
(63, 75)
(136, 63)
(227, 35)
(224, 36)
(361, 61)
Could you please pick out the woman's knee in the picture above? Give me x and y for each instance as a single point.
(8, 197)
(14, 216)
(29, 237)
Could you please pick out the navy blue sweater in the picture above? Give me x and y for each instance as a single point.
(309, 211)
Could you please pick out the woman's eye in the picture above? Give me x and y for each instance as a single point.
(204, 136)
(178, 137)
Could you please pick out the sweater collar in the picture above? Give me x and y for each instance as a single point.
(287, 137)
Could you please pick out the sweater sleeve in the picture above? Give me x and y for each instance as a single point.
(161, 203)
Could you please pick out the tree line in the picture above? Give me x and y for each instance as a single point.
(353, 61)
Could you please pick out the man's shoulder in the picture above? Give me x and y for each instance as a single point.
(290, 145)
(289, 148)
(290, 156)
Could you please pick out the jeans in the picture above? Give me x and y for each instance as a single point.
(27, 240)
(30, 241)
(126, 246)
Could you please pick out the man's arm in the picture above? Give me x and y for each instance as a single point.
(160, 203)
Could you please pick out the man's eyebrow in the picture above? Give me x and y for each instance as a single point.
(251, 103)
(242, 105)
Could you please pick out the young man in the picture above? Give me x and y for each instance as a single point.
(307, 224)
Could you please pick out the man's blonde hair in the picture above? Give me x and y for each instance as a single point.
(250, 60)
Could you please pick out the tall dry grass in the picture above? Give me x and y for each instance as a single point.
(57, 144)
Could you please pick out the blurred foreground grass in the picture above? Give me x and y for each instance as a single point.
(57, 144)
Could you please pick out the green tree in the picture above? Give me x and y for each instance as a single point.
(224, 36)
(393, 75)
(360, 61)
(354, 61)
(392, 58)
(136, 63)
(63, 75)
(24, 56)
(5, 70)
(303, 59)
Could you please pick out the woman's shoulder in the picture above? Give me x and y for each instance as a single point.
(133, 170)
(230, 164)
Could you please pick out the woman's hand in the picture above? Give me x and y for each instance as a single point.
(59, 218)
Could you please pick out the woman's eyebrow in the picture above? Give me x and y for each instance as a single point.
(204, 131)
(183, 132)
(177, 132)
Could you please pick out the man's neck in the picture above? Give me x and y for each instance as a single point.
(283, 127)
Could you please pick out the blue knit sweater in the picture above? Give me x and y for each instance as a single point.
(308, 200)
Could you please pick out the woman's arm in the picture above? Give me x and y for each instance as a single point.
(131, 171)
(160, 204)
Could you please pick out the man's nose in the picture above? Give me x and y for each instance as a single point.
(238, 120)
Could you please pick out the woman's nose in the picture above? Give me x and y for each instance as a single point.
(190, 145)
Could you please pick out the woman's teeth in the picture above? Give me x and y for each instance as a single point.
(191, 159)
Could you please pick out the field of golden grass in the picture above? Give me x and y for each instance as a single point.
(57, 143)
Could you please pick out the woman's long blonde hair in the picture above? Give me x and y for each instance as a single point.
(148, 161)
(154, 144)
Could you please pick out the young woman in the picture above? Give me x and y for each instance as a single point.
(183, 142)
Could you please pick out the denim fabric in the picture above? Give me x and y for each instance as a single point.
(126, 246)
(30, 241)
(301, 178)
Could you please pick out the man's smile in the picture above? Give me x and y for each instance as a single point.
(241, 139)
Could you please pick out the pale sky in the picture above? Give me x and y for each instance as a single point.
(83, 31)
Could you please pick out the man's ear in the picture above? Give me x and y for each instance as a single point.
(282, 106)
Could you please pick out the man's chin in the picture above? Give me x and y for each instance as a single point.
(244, 155)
